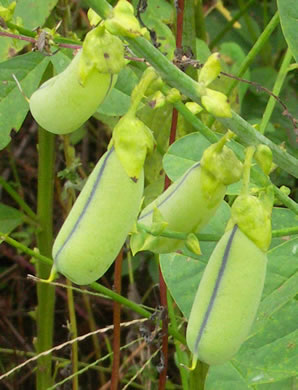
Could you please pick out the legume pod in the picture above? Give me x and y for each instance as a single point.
(99, 222)
(227, 298)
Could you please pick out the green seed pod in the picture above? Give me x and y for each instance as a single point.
(63, 103)
(99, 222)
(227, 298)
(189, 203)
(231, 287)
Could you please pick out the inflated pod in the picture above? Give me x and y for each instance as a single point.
(227, 298)
(231, 287)
(189, 203)
(62, 104)
(99, 222)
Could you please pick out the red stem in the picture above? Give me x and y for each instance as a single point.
(116, 322)
(180, 10)
(162, 284)
(15, 36)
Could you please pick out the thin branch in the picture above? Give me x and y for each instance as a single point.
(116, 322)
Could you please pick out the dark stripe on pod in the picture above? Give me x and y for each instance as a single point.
(110, 86)
(91, 195)
(216, 287)
(172, 193)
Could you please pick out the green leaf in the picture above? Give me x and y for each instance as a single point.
(158, 14)
(272, 362)
(288, 12)
(10, 218)
(28, 69)
(61, 60)
(117, 103)
(281, 219)
(225, 377)
(33, 14)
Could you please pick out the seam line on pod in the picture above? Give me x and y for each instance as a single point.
(109, 88)
(216, 287)
(99, 175)
(172, 193)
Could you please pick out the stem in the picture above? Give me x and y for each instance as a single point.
(45, 292)
(140, 89)
(246, 170)
(116, 322)
(165, 330)
(285, 232)
(20, 201)
(276, 89)
(133, 306)
(93, 327)
(180, 360)
(73, 335)
(179, 23)
(69, 157)
(229, 25)
(263, 38)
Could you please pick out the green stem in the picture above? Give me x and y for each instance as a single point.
(133, 306)
(14, 195)
(178, 235)
(73, 335)
(285, 232)
(201, 236)
(95, 286)
(276, 89)
(95, 340)
(29, 33)
(69, 157)
(229, 25)
(262, 40)
(140, 89)
(45, 292)
(180, 360)
(246, 170)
